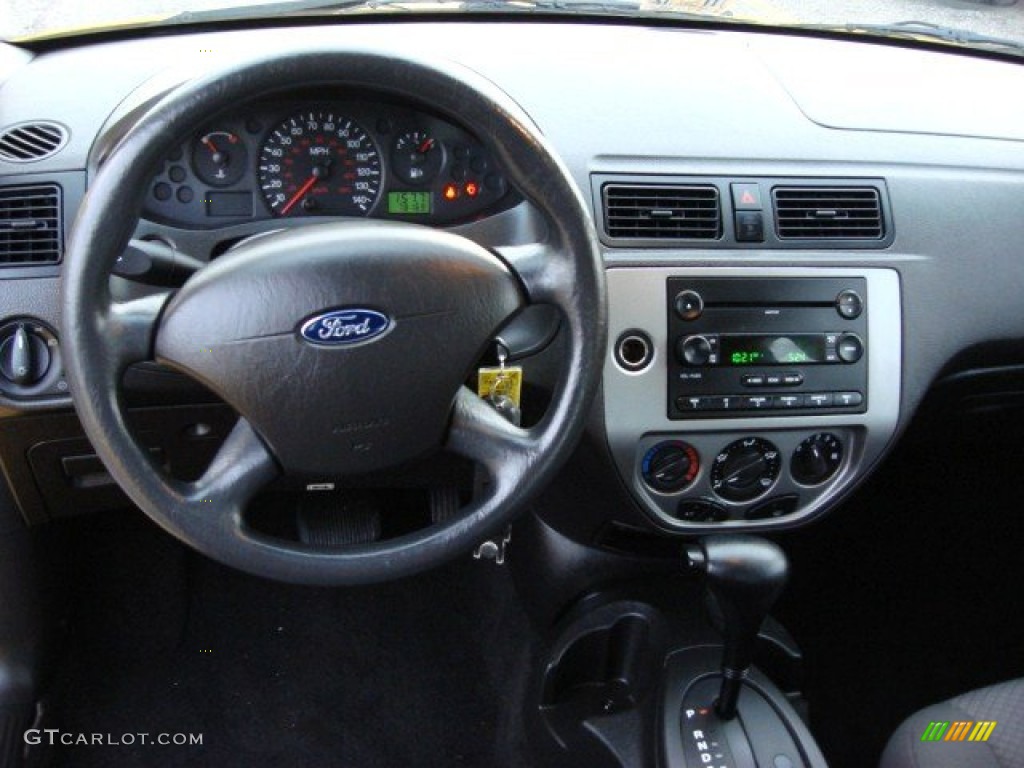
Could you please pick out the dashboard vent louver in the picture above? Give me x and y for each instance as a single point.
(28, 142)
(828, 213)
(30, 224)
(650, 212)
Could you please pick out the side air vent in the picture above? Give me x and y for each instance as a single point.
(662, 212)
(828, 213)
(30, 225)
(28, 142)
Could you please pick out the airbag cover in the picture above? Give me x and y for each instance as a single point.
(343, 344)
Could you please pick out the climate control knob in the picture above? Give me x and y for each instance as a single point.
(670, 466)
(745, 469)
(816, 459)
(694, 350)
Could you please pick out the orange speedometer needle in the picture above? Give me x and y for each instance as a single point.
(299, 195)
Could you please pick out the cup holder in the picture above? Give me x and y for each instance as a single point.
(604, 669)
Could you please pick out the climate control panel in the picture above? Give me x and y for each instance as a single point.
(746, 479)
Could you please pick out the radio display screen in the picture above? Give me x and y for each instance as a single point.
(772, 350)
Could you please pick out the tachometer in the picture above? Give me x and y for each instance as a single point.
(320, 163)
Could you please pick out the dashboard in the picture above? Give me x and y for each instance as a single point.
(794, 253)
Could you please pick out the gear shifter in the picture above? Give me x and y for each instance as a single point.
(744, 575)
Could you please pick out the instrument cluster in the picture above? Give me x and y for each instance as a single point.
(333, 158)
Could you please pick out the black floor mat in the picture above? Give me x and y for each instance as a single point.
(910, 593)
(419, 672)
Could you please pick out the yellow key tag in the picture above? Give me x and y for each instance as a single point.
(506, 381)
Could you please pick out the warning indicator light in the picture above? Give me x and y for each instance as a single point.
(472, 189)
(450, 192)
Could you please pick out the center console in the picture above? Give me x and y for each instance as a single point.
(653, 680)
(749, 397)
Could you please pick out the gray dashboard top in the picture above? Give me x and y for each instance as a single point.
(602, 92)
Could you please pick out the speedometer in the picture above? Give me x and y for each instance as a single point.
(320, 163)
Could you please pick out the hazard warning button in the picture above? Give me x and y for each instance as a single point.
(746, 196)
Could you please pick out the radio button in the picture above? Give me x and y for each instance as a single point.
(793, 379)
(689, 305)
(819, 400)
(726, 403)
(756, 380)
(756, 403)
(693, 403)
(850, 348)
(831, 339)
(848, 399)
(783, 402)
(773, 380)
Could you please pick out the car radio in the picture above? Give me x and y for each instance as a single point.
(769, 346)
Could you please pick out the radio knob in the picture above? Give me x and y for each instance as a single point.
(850, 348)
(849, 304)
(694, 350)
(689, 305)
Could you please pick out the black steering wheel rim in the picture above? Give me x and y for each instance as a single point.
(101, 337)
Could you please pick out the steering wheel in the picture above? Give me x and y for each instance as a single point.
(413, 300)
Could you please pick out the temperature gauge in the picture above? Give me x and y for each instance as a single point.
(417, 157)
(219, 158)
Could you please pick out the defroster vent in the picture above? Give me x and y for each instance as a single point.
(651, 212)
(828, 213)
(30, 224)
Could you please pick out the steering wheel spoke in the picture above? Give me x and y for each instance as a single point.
(481, 434)
(544, 271)
(131, 328)
(242, 468)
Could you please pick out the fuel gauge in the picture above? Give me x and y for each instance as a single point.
(417, 157)
(219, 158)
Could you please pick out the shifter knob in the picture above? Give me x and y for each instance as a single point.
(744, 576)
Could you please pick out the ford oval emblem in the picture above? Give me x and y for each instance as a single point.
(344, 327)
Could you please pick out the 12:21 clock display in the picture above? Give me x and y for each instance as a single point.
(743, 350)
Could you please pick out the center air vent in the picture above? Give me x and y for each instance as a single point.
(662, 212)
(828, 213)
(27, 142)
(30, 224)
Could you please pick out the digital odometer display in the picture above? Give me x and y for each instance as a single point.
(409, 203)
(772, 350)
